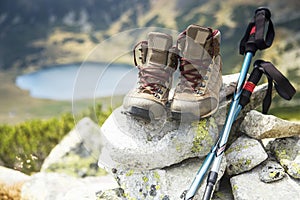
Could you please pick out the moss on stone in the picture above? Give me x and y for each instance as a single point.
(273, 174)
(157, 187)
(202, 135)
(238, 148)
(128, 197)
(296, 169)
(213, 123)
(77, 166)
(281, 154)
(234, 188)
(178, 147)
(156, 176)
(145, 179)
(248, 162)
(130, 172)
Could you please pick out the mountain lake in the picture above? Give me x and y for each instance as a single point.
(79, 81)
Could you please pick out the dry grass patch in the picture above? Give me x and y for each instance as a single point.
(10, 192)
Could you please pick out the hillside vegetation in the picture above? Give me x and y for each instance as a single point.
(38, 33)
(25, 145)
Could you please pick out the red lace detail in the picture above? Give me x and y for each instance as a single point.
(153, 77)
(191, 75)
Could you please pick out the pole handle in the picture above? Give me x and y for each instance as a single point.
(260, 32)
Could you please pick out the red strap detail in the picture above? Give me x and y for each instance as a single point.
(253, 30)
(249, 86)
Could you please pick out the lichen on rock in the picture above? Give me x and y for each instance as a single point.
(287, 152)
(203, 135)
(271, 171)
(243, 155)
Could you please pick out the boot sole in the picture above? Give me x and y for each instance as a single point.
(184, 117)
(140, 112)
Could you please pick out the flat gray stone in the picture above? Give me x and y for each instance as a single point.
(248, 186)
(287, 152)
(271, 171)
(260, 126)
(167, 183)
(243, 155)
(55, 186)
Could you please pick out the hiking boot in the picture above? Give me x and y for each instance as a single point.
(197, 93)
(159, 60)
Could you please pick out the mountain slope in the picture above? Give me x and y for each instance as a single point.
(37, 33)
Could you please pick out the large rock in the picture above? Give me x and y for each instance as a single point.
(260, 126)
(55, 186)
(287, 152)
(78, 152)
(137, 144)
(168, 183)
(244, 154)
(11, 177)
(248, 186)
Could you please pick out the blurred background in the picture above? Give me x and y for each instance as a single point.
(38, 34)
(44, 42)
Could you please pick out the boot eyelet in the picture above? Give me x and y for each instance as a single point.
(199, 92)
(159, 91)
(156, 96)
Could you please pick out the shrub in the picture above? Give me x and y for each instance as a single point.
(25, 146)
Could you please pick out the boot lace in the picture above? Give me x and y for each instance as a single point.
(194, 72)
(152, 78)
(191, 79)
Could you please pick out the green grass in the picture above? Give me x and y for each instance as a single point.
(291, 113)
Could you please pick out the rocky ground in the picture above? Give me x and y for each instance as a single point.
(158, 160)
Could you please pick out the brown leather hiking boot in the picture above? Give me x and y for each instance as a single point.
(158, 63)
(197, 93)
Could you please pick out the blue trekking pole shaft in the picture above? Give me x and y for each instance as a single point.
(254, 39)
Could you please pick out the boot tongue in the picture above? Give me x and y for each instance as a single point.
(158, 47)
(195, 45)
(195, 54)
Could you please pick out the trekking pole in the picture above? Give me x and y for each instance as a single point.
(256, 37)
